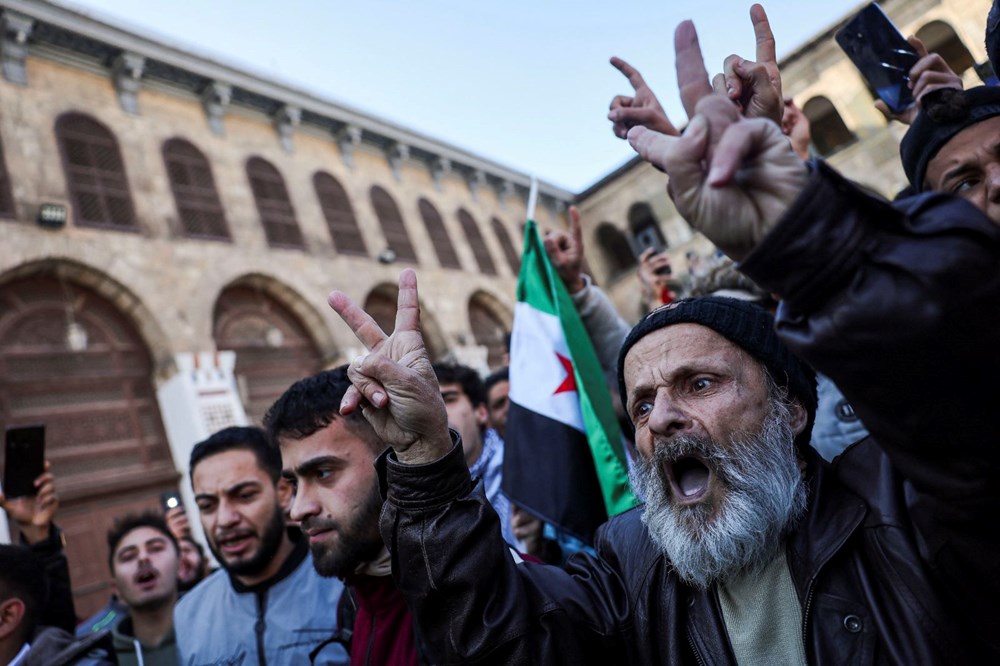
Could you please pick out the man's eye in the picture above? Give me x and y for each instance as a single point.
(324, 473)
(642, 409)
(701, 383)
(964, 185)
(204, 507)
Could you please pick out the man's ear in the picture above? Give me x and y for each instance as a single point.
(481, 414)
(284, 490)
(11, 615)
(800, 417)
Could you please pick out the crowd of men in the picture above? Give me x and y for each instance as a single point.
(366, 522)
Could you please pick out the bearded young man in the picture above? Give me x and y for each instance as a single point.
(330, 461)
(893, 557)
(266, 605)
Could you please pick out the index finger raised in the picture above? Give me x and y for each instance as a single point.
(692, 77)
(630, 72)
(364, 327)
(766, 51)
(408, 304)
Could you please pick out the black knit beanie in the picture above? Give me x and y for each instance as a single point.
(943, 114)
(746, 325)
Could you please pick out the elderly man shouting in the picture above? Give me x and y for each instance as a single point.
(750, 549)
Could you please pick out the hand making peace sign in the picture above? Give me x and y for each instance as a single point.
(394, 383)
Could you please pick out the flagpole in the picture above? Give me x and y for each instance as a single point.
(532, 198)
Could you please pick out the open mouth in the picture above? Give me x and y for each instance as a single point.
(146, 578)
(234, 543)
(689, 479)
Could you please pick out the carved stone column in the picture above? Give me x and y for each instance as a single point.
(126, 72)
(286, 119)
(215, 99)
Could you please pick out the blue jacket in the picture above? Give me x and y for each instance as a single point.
(222, 622)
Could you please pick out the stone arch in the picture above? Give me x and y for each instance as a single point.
(277, 334)
(829, 131)
(380, 303)
(127, 302)
(490, 322)
(614, 248)
(939, 37)
(73, 357)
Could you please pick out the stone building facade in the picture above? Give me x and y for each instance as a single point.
(159, 209)
(848, 131)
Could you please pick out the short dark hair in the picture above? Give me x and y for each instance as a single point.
(311, 404)
(23, 577)
(123, 525)
(248, 438)
(494, 378)
(456, 373)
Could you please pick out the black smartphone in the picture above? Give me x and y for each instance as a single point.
(881, 54)
(170, 500)
(24, 460)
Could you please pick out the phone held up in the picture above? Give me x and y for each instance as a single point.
(881, 54)
(169, 500)
(24, 460)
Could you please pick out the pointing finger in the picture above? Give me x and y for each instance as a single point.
(692, 78)
(630, 72)
(575, 229)
(364, 327)
(408, 305)
(766, 51)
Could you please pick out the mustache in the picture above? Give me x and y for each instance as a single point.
(318, 523)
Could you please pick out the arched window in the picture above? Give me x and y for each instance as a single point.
(95, 173)
(273, 348)
(276, 213)
(488, 329)
(829, 132)
(645, 228)
(615, 249)
(198, 205)
(339, 215)
(71, 359)
(392, 225)
(476, 242)
(512, 255)
(940, 38)
(439, 235)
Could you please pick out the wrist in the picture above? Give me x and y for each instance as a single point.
(33, 534)
(426, 449)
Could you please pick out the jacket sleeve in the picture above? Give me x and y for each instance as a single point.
(900, 305)
(474, 601)
(59, 611)
(606, 328)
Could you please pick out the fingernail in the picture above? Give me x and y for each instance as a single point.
(715, 175)
(378, 399)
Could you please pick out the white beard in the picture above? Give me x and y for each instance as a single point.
(764, 497)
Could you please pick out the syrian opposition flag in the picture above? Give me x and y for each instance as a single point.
(563, 458)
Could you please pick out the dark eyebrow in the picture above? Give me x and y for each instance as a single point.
(956, 172)
(244, 485)
(310, 466)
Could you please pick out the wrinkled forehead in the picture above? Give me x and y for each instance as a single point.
(677, 347)
(966, 146)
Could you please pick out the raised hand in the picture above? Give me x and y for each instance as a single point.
(641, 109)
(565, 251)
(394, 383)
(795, 125)
(33, 515)
(930, 73)
(755, 87)
(730, 177)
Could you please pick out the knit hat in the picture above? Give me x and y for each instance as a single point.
(943, 114)
(746, 325)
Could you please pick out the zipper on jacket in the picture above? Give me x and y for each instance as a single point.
(259, 626)
(694, 649)
(810, 591)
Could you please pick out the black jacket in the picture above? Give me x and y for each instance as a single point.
(897, 558)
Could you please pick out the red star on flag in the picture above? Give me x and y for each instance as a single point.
(569, 383)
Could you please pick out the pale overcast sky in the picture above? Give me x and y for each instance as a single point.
(525, 83)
